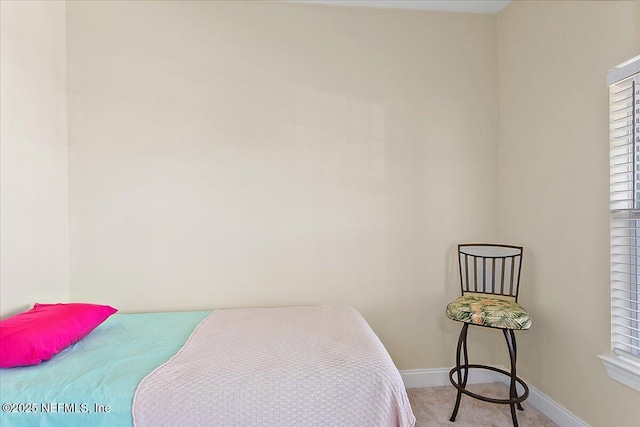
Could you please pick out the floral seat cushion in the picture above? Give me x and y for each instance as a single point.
(487, 310)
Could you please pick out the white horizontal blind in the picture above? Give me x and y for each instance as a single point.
(624, 108)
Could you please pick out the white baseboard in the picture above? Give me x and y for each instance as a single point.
(437, 377)
(552, 410)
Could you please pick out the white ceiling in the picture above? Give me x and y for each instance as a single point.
(468, 6)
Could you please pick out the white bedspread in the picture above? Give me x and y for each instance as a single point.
(277, 367)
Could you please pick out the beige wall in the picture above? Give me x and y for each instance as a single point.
(554, 184)
(227, 154)
(34, 232)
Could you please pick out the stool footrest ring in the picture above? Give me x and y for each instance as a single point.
(484, 398)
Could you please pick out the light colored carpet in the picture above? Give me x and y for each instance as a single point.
(433, 406)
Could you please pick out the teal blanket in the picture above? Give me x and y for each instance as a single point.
(92, 383)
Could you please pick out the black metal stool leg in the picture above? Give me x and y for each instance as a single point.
(462, 342)
(515, 357)
(511, 344)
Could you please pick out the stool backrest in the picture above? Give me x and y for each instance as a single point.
(487, 268)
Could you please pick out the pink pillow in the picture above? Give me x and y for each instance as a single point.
(36, 335)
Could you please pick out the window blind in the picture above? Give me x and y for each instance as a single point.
(624, 124)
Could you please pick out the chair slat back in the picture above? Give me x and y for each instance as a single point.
(488, 268)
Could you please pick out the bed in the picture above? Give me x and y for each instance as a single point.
(290, 366)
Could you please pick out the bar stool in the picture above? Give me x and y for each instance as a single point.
(490, 282)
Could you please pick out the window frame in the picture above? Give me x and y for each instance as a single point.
(622, 367)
